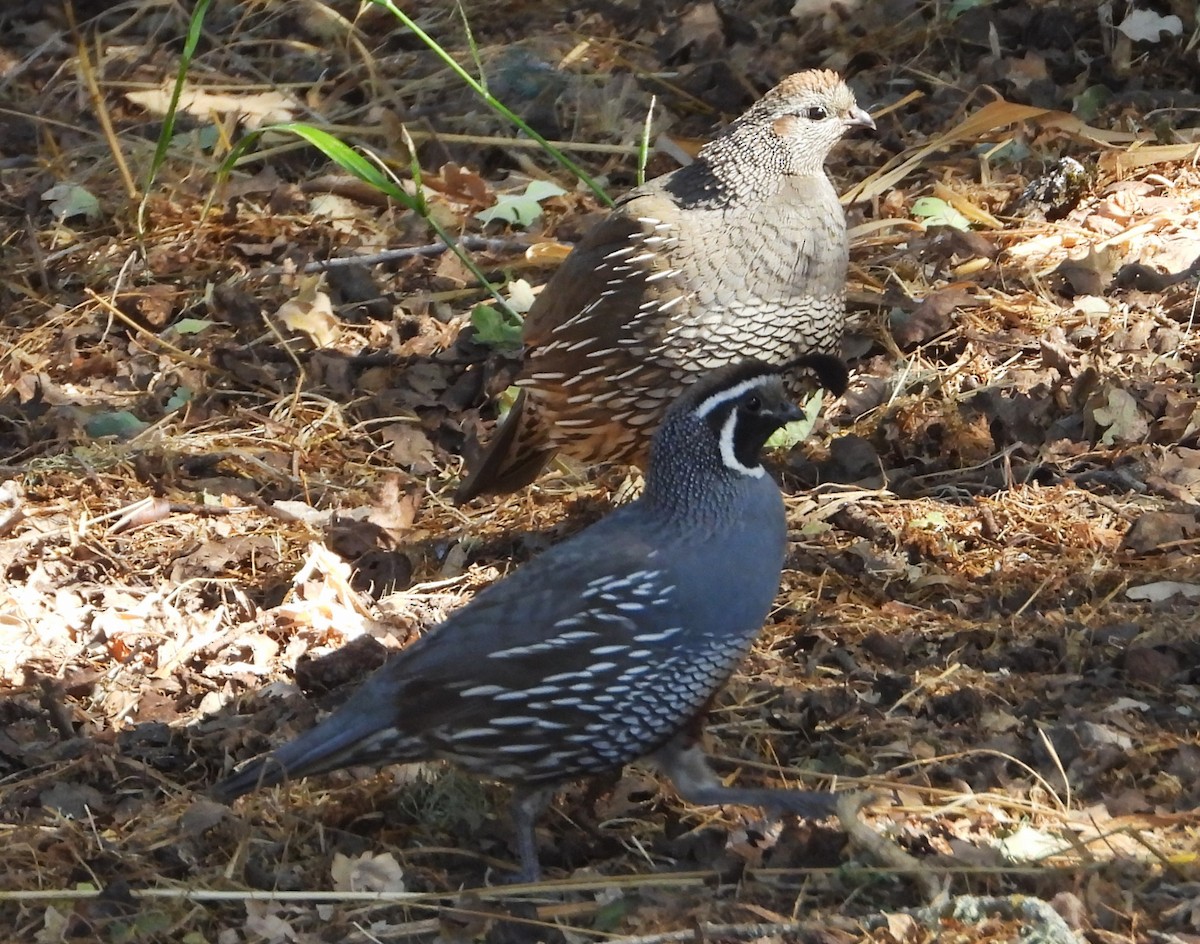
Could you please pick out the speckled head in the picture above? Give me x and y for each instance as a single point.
(800, 120)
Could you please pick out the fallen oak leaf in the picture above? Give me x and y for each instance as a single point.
(1117, 412)
(521, 209)
(311, 312)
(1162, 590)
(930, 318)
(367, 873)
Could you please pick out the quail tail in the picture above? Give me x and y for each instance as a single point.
(516, 455)
(341, 740)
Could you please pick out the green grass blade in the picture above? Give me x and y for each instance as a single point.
(644, 144)
(354, 163)
(369, 173)
(492, 102)
(472, 45)
(167, 132)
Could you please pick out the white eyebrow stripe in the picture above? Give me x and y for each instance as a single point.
(716, 399)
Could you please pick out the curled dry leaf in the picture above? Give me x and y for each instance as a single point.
(367, 873)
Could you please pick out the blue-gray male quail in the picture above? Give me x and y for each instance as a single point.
(608, 647)
(741, 254)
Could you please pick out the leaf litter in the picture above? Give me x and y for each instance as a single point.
(229, 464)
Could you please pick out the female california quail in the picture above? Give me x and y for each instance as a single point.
(741, 254)
(608, 647)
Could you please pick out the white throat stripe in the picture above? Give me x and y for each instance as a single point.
(729, 457)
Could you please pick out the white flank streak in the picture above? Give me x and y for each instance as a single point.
(482, 690)
(657, 637)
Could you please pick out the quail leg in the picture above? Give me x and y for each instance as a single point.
(685, 763)
(527, 806)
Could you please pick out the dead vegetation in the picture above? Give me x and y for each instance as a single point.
(226, 456)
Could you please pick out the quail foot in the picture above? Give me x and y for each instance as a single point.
(741, 254)
(608, 647)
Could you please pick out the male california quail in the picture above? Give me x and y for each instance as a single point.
(608, 647)
(741, 254)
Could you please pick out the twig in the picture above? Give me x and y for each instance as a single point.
(50, 698)
(886, 852)
(153, 339)
(729, 932)
(100, 106)
(473, 243)
(435, 899)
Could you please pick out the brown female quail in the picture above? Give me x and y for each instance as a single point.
(740, 254)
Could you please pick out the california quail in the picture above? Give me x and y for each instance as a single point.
(741, 254)
(608, 647)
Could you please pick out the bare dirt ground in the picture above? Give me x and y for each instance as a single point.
(223, 459)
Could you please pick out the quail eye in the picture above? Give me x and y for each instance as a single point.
(816, 113)
(754, 404)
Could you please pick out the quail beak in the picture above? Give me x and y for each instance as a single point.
(858, 118)
(788, 413)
